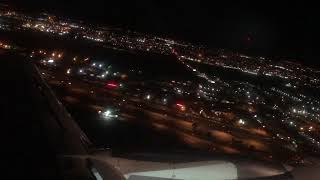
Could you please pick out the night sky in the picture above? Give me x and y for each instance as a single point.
(285, 28)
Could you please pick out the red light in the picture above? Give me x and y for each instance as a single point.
(112, 85)
(181, 106)
(174, 52)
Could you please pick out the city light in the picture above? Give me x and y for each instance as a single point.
(148, 97)
(164, 100)
(241, 122)
(181, 106)
(195, 94)
(112, 85)
(109, 114)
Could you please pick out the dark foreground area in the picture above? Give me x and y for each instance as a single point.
(26, 152)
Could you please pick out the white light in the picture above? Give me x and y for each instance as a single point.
(148, 96)
(241, 122)
(50, 61)
(94, 64)
(164, 100)
(80, 70)
(100, 65)
(108, 114)
(69, 71)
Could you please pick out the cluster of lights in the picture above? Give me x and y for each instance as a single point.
(181, 107)
(241, 122)
(97, 39)
(286, 94)
(5, 46)
(239, 62)
(108, 114)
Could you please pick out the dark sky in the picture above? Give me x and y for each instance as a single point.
(285, 28)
